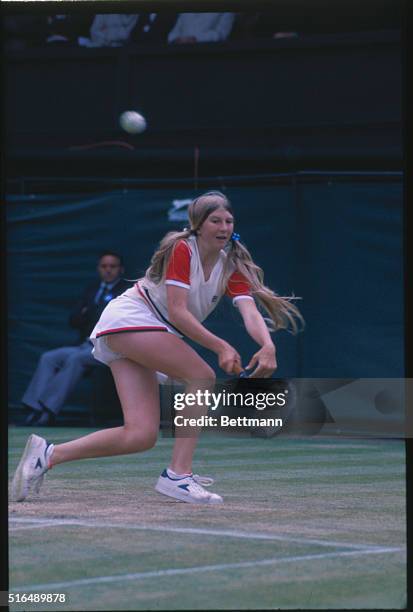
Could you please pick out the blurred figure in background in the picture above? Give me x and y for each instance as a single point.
(153, 27)
(110, 30)
(59, 370)
(201, 27)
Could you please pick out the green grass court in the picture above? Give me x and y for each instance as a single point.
(307, 523)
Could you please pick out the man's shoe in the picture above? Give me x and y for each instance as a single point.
(46, 419)
(31, 418)
(187, 489)
(32, 467)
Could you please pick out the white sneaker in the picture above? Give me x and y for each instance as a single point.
(32, 467)
(187, 489)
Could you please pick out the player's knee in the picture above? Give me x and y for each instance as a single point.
(138, 440)
(149, 440)
(47, 357)
(204, 375)
(210, 377)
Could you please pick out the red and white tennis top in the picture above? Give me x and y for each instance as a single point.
(185, 270)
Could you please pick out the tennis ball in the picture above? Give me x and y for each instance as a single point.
(132, 122)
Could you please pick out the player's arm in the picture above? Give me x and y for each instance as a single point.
(184, 320)
(265, 358)
(239, 289)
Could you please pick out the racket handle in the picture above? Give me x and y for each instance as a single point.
(243, 374)
(237, 369)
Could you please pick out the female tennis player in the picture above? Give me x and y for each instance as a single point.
(141, 333)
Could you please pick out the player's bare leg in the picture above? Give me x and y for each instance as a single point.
(139, 395)
(172, 356)
(138, 392)
(140, 401)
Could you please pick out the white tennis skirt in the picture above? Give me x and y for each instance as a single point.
(127, 313)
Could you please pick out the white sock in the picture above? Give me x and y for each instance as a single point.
(49, 452)
(173, 474)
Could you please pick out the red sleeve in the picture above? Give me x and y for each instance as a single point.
(237, 285)
(179, 266)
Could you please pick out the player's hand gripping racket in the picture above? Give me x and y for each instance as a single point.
(239, 371)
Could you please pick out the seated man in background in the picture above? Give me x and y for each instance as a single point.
(201, 27)
(59, 370)
(109, 30)
(116, 30)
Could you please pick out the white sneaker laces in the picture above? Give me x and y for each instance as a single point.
(205, 481)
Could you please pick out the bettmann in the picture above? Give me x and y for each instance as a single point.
(225, 421)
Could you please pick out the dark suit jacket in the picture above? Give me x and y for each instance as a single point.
(86, 321)
(158, 29)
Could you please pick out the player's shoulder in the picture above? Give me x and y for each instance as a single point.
(184, 248)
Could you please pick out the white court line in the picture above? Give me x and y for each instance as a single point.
(189, 530)
(197, 569)
(36, 526)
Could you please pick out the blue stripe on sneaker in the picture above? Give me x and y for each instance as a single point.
(184, 486)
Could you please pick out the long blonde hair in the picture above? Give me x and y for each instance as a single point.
(282, 313)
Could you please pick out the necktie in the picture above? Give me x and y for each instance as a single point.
(103, 290)
(104, 294)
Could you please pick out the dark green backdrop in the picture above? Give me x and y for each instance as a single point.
(337, 244)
